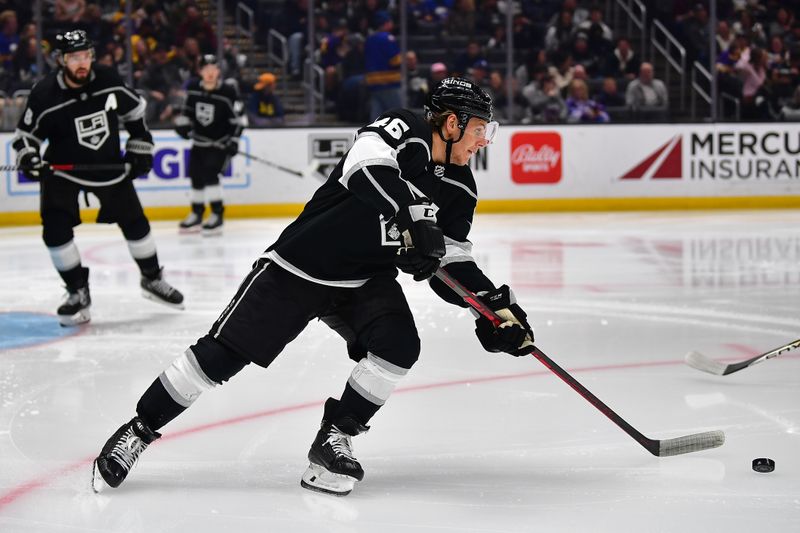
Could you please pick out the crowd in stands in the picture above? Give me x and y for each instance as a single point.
(570, 65)
(758, 50)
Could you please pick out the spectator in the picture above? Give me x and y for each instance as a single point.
(582, 55)
(724, 36)
(292, 22)
(383, 59)
(23, 66)
(487, 17)
(579, 14)
(559, 33)
(479, 73)
(545, 103)
(189, 58)
(417, 83)
(727, 76)
(9, 39)
(791, 110)
(581, 108)
(622, 62)
(646, 93)
(467, 58)
(533, 69)
(562, 70)
(782, 25)
(599, 35)
(752, 69)
(69, 11)
(194, 25)
(364, 15)
(438, 73)
(264, 108)
(697, 33)
(462, 18)
(160, 80)
(749, 28)
(610, 95)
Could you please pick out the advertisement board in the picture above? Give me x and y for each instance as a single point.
(526, 168)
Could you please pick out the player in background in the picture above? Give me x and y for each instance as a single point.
(77, 109)
(402, 197)
(212, 117)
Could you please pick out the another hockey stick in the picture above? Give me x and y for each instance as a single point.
(305, 173)
(660, 448)
(701, 362)
(112, 167)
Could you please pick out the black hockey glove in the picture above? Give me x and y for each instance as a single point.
(183, 127)
(232, 148)
(33, 167)
(423, 240)
(514, 336)
(139, 155)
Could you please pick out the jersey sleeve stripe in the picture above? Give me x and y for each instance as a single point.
(381, 191)
(136, 113)
(461, 186)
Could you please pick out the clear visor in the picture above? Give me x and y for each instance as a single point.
(76, 58)
(486, 131)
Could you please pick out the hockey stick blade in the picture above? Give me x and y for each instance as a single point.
(706, 364)
(690, 443)
(660, 448)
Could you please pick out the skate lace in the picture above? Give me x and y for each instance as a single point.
(128, 449)
(341, 443)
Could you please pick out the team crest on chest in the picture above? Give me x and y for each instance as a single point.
(92, 129)
(204, 113)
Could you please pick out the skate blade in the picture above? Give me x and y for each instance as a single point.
(189, 231)
(98, 483)
(81, 317)
(320, 479)
(213, 232)
(153, 298)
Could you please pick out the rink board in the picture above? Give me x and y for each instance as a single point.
(542, 168)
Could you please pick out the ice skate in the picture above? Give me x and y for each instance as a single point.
(192, 223)
(333, 469)
(213, 225)
(74, 310)
(120, 454)
(158, 290)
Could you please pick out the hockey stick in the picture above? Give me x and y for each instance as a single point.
(706, 364)
(305, 173)
(660, 448)
(112, 167)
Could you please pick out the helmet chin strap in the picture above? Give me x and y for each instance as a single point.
(448, 143)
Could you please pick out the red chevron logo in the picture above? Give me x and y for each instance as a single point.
(664, 163)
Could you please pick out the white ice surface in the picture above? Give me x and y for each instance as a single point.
(470, 441)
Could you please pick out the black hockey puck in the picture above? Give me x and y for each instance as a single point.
(763, 465)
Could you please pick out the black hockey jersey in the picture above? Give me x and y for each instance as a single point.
(82, 124)
(213, 117)
(347, 233)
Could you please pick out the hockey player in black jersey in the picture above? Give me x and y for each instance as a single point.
(213, 118)
(77, 109)
(402, 197)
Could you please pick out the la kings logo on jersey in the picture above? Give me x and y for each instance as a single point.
(204, 112)
(92, 129)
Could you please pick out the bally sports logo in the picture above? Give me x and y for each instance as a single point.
(536, 157)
